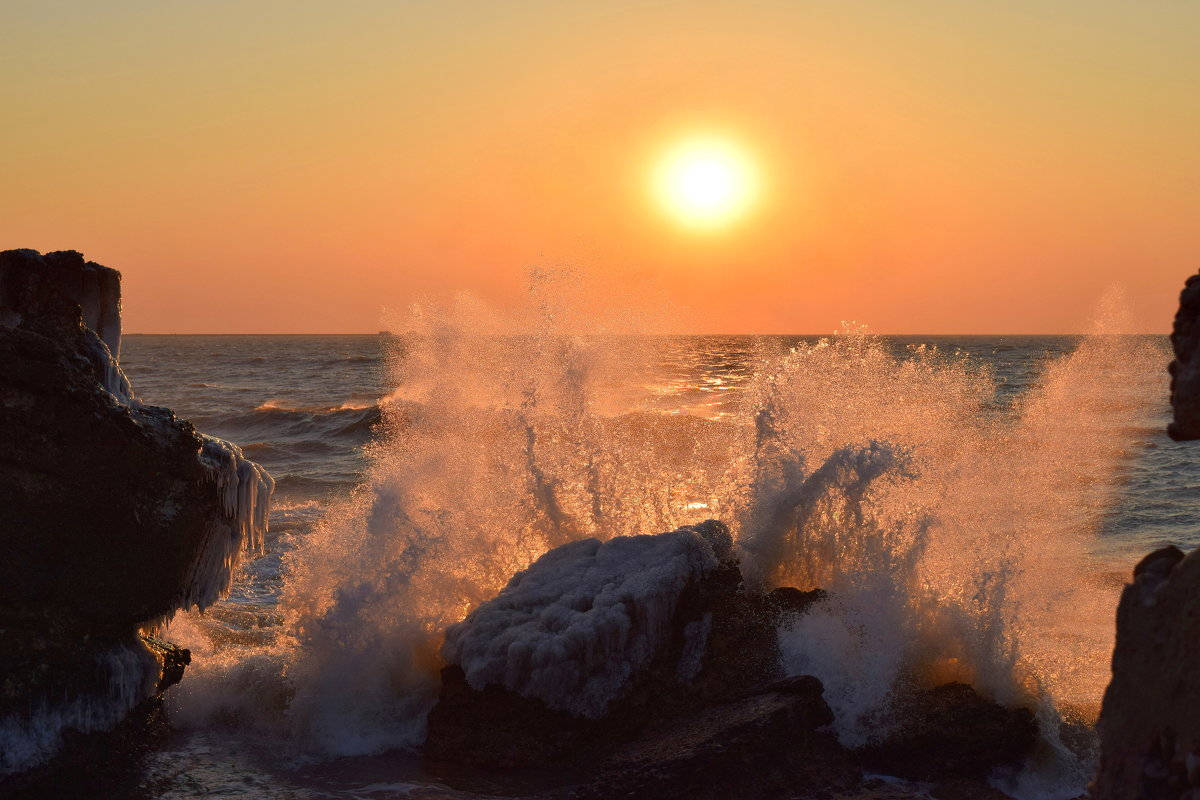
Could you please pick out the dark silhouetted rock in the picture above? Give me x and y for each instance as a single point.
(113, 514)
(47, 292)
(771, 744)
(106, 765)
(1149, 726)
(496, 727)
(1185, 369)
(950, 732)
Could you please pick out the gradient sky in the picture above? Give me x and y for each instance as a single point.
(295, 167)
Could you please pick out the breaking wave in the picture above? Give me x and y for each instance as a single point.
(951, 526)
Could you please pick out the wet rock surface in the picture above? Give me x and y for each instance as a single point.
(1185, 369)
(773, 743)
(113, 514)
(1149, 728)
(950, 732)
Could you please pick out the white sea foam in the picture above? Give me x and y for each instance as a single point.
(958, 550)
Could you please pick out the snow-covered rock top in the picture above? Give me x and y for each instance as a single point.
(573, 628)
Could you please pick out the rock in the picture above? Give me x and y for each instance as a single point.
(681, 633)
(576, 627)
(950, 732)
(786, 601)
(1185, 369)
(966, 789)
(113, 514)
(106, 765)
(498, 728)
(172, 658)
(42, 293)
(1149, 728)
(1154, 570)
(770, 744)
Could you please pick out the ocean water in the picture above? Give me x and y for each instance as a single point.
(975, 504)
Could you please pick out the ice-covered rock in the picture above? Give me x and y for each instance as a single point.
(103, 743)
(597, 639)
(573, 628)
(113, 514)
(1185, 369)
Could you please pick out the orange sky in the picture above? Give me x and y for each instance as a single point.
(296, 167)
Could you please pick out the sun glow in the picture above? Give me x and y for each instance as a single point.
(706, 183)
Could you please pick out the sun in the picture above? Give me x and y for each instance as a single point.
(706, 183)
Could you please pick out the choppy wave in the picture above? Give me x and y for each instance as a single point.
(272, 422)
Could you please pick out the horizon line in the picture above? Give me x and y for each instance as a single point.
(806, 335)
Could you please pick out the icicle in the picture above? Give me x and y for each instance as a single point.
(244, 489)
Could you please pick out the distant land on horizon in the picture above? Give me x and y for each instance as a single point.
(681, 335)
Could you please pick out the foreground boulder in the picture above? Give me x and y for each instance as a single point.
(950, 732)
(769, 744)
(644, 667)
(113, 514)
(1149, 726)
(595, 640)
(1185, 369)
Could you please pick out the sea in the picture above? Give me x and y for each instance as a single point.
(990, 495)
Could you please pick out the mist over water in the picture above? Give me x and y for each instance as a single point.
(952, 513)
(953, 535)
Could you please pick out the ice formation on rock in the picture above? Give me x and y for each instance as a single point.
(108, 371)
(581, 620)
(114, 514)
(245, 491)
(126, 675)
